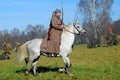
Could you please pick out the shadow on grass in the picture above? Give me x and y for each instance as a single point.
(44, 69)
(20, 70)
(41, 69)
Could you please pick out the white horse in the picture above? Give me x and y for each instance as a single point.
(30, 51)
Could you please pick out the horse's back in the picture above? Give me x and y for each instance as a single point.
(34, 48)
(35, 43)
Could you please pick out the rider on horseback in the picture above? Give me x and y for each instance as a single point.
(51, 43)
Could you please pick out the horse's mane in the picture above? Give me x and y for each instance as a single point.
(67, 26)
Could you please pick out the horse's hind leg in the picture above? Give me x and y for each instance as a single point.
(27, 65)
(35, 61)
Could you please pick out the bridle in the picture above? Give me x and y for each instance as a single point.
(75, 28)
(78, 29)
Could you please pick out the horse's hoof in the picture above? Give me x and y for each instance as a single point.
(26, 72)
(71, 74)
(61, 70)
(67, 72)
(35, 74)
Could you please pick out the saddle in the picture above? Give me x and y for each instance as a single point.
(49, 54)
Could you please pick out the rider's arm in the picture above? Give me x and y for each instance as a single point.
(55, 23)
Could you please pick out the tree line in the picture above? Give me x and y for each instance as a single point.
(39, 31)
(29, 33)
(116, 27)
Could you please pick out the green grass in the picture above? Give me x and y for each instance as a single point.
(87, 64)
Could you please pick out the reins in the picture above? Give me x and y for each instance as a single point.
(68, 31)
(72, 32)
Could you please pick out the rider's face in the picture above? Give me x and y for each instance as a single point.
(58, 14)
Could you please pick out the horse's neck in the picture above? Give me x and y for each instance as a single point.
(67, 37)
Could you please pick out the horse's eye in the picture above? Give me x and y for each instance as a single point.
(77, 26)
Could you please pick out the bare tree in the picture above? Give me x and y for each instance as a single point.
(37, 31)
(15, 32)
(96, 12)
(6, 35)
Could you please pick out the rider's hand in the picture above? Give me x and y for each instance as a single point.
(62, 26)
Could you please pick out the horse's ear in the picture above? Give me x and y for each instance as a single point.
(76, 22)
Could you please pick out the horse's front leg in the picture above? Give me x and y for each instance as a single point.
(67, 64)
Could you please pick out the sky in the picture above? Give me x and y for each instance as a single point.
(20, 13)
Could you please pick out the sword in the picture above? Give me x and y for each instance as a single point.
(62, 13)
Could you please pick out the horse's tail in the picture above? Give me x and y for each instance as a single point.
(22, 52)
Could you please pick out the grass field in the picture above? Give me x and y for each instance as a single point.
(87, 64)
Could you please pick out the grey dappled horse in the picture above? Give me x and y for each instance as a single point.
(30, 51)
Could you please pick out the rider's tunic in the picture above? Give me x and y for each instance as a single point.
(51, 42)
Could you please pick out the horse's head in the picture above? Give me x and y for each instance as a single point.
(78, 29)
